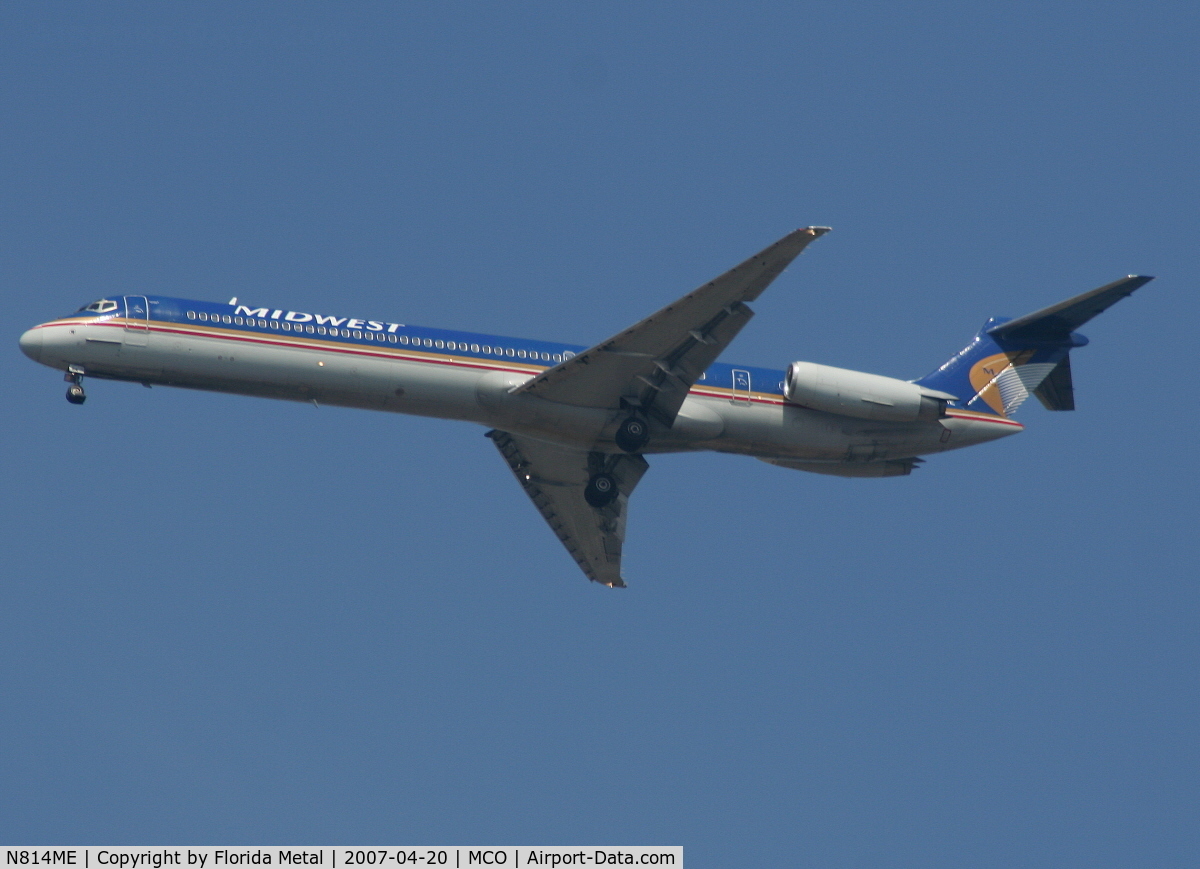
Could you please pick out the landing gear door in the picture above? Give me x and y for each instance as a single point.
(137, 321)
(741, 386)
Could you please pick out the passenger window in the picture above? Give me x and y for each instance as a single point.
(287, 327)
(558, 357)
(521, 354)
(320, 330)
(274, 324)
(262, 324)
(510, 351)
(357, 334)
(191, 315)
(439, 344)
(225, 318)
(392, 338)
(345, 333)
(202, 316)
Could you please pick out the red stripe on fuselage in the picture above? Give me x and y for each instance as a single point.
(980, 417)
(459, 362)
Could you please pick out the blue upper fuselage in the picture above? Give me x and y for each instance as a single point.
(259, 320)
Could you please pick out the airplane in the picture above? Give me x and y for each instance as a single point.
(575, 423)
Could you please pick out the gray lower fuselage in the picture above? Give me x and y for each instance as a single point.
(437, 385)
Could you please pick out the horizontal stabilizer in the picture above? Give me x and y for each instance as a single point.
(1058, 321)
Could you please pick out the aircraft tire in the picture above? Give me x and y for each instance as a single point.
(632, 435)
(601, 490)
(76, 395)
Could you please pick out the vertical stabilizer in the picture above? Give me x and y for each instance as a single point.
(1009, 360)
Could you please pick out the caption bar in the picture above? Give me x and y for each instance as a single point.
(341, 857)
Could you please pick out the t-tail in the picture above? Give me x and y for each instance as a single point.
(1011, 359)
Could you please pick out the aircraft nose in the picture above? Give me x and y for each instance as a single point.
(31, 344)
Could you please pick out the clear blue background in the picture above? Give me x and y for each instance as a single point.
(228, 620)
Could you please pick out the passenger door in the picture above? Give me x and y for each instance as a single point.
(137, 321)
(741, 386)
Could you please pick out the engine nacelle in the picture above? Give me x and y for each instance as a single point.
(862, 395)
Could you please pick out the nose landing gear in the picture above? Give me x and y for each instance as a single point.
(75, 393)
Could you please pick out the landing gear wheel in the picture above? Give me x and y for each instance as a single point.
(601, 490)
(76, 395)
(632, 435)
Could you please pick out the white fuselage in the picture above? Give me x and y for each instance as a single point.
(386, 376)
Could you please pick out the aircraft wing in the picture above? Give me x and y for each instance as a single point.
(652, 364)
(554, 478)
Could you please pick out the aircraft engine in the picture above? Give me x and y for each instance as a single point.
(866, 396)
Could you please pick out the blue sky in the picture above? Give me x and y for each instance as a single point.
(231, 621)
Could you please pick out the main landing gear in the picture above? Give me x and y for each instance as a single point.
(75, 393)
(601, 490)
(632, 434)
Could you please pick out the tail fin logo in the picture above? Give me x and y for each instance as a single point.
(1005, 380)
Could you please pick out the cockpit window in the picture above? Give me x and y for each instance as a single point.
(103, 306)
